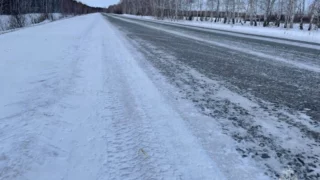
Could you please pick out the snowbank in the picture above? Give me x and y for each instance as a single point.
(29, 19)
(275, 32)
(4, 22)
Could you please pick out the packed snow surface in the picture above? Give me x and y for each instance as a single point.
(76, 104)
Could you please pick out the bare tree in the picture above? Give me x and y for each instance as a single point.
(226, 11)
(176, 9)
(301, 10)
(267, 6)
(232, 11)
(313, 11)
(218, 11)
(251, 10)
(290, 12)
(233, 14)
(210, 3)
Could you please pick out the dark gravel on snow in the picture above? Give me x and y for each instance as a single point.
(280, 84)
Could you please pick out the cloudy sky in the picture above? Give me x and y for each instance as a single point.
(99, 3)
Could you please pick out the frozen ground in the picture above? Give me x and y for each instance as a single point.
(291, 34)
(78, 101)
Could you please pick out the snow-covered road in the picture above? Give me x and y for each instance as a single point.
(265, 95)
(75, 103)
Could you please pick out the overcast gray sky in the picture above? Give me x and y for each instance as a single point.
(100, 3)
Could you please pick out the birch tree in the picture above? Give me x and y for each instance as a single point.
(290, 12)
(233, 14)
(218, 11)
(313, 11)
(301, 7)
(226, 12)
(251, 10)
(210, 3)
(268, 6)
(232, 11)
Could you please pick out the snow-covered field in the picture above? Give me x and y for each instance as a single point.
(79, 103)
(291, 34)
(30, 19)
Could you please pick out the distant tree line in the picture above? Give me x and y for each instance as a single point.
(16, 7)
(269, 12)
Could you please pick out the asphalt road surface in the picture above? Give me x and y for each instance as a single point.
(282, 78)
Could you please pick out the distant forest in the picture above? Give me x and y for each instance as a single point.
(16, 7)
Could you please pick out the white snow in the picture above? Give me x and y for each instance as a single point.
(4, 19)
(290, 34)
(76, 104)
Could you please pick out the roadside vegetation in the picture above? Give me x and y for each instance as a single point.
(266, 13)
(20, 13)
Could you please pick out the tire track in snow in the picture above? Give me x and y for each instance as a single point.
(132, 149)
(147, 138)
(235, 117)
(98, 116)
